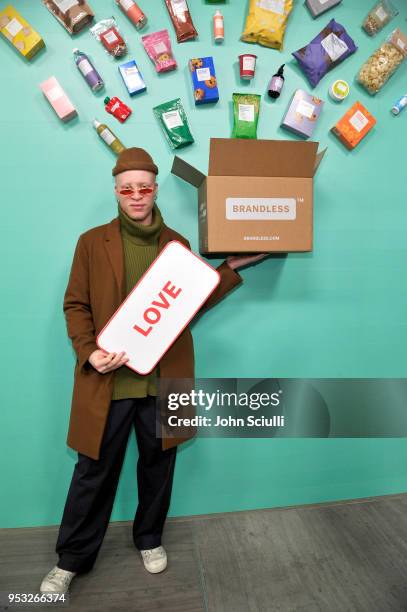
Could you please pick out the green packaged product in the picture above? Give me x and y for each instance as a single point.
(246, 108)
(174, 123)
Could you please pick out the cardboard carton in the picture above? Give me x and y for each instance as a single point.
(19, 32)
(58, 99)
(257, 197)
(354, 125)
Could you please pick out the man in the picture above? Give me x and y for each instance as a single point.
(109, 398)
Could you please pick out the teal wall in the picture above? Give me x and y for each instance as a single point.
(337, 312)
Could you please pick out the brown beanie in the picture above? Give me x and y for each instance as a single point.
(134, 159)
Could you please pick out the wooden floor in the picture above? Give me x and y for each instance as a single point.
(348, 556)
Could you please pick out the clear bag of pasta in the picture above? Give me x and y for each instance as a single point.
(384, 62)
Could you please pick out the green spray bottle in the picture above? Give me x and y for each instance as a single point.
(107, 135)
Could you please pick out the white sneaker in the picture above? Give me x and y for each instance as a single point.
(57, 581)
(154, 559)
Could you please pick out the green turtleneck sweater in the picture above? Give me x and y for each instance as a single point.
(140, 248)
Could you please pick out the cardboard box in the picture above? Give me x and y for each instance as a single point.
(58, 99)
(132, 78)
(257, 197)
(317, 7)
(204, 80)
(354, 125)
(302, 114)
(19, 32)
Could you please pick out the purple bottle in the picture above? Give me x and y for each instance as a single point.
(88, 71)
(276, 83)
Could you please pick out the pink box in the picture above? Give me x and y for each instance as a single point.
(58, 99)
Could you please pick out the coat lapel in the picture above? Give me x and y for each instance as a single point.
(114, 248)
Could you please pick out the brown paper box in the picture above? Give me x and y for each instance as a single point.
(257, 197)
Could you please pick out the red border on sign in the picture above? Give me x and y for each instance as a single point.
(135, 287)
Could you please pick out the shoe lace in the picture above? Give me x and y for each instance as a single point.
(60, 575)
(153, 551)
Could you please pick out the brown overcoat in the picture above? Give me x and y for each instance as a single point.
(95, 290)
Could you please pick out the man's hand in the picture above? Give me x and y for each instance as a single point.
(238, 261)
(107, 362)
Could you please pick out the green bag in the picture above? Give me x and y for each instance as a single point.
(246, 109)
(174, 123)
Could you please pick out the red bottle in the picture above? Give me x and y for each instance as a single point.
(117, 108)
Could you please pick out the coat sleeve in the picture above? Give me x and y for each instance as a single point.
(229, 279)
(77, 307)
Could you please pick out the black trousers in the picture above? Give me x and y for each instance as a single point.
(94, 483)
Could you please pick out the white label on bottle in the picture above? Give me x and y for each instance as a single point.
(133, 77)
(179, 7)
(342, 87)
(381, 13)
(126, 4)
(305, 108)
(172, 119)
(276, 6)
(55, 93)
(13, 27)
(359, 121)
(160, 47)
(334, 46)
(110, 37)
(85, 67)
(401, 44)
(203, 74)
(107, 136)
(249, 63)
(246, 112)
(65, 5)
(219, 23)
(323, 1)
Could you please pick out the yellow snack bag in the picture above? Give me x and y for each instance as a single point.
(266, 22)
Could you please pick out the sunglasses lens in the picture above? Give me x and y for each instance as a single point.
(126, 191)
(145, 190)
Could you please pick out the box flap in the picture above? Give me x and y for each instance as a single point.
(244, 157)
(318, 159)
(187, 172)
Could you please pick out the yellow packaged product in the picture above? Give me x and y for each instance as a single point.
(266, 22)
(19, 32)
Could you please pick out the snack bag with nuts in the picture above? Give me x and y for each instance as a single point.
(19, 32)
(204, 80)
(158, 48)
(174, 123)
(72, 14)
(108, 33)
(181, 20)
(380, 66)
(380, 15)
(266, 22)
(246, 109)
(326, 51)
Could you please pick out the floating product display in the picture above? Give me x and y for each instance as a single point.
(108, 137)
(246, 110)
(19, 32)
(72, 14)
(132, 77)
(58, 99)
(354, 125)
(204, 80)
(326, 51)
(384, 62)
(87, 70)
(174, 123)
(133, 12)
(266, 22)
(181, 20)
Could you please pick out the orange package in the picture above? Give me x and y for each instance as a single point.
(354, 125)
